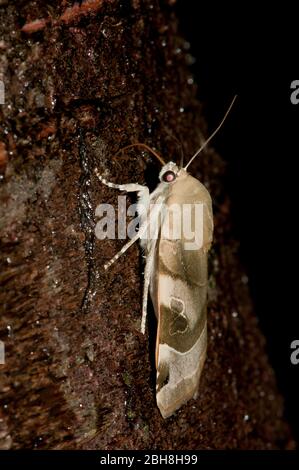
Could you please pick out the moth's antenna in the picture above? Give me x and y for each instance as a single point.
(178, 141)
(182, 160)
(212, 135)
(146, 147)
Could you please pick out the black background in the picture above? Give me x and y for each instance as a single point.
(254, 53)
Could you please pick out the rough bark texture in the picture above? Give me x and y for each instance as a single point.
(82, 82)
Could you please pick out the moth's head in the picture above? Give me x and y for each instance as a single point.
(169, 173)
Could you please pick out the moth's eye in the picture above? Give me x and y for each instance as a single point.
(169, 176)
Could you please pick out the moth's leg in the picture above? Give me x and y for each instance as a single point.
(126, 246)
(143, 193)
(147, 278)
(154, 220)
(130, 187)
(122, 251)
(142, 207)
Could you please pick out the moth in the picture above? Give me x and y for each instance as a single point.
(175, 275)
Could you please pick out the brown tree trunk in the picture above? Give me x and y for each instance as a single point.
(82, 81)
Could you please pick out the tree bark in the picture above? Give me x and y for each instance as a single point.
(81, 82)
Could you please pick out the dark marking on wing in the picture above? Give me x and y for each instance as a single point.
(179, 322)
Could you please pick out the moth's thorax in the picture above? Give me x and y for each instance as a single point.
(188, 190)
